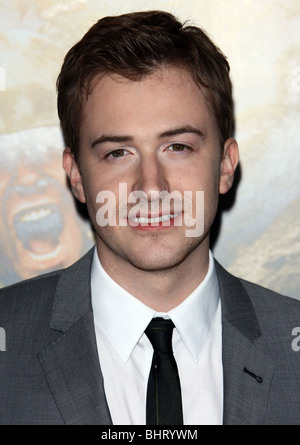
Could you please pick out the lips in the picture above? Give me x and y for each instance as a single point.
(154, 220)
(39, 228)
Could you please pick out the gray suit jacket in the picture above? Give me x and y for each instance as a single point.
(50, 372)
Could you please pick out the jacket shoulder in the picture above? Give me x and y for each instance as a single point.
(278, 317)
(259, 295)
(30, 285)
(28, 298)
(261, 312)
(42, 284)
(36, 295)
(264, 297)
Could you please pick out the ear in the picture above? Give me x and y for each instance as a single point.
(228, 165)
(73, 172)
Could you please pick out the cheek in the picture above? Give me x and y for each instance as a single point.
(204, 176)
(207, 181)
(92, 185)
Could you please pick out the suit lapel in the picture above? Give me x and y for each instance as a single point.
(71, 363)
(247, 370)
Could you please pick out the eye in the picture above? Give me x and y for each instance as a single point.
(119, 153)
(179, 147)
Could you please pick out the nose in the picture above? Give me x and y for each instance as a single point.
(151, 177)
(27, 175)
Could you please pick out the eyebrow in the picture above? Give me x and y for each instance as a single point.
(168, 133)
(111, 138)
(182, 130)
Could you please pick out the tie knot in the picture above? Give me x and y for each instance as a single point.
(159, 332)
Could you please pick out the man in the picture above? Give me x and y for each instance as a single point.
(146, 111)
(40, 228)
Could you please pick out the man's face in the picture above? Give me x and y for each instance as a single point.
(154, 135)
(39, 227)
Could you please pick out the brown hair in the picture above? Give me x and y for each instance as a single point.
(134, 45)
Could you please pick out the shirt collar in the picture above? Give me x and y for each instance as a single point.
(123, 318)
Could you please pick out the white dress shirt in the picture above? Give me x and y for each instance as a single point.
(125, 353)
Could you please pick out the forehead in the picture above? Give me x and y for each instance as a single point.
(165, 96)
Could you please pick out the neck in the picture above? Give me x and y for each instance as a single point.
(161, 290)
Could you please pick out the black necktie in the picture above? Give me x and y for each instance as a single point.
(164, 406)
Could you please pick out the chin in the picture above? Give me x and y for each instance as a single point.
(158, 263)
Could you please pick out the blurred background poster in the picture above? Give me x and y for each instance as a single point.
(258, 232)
